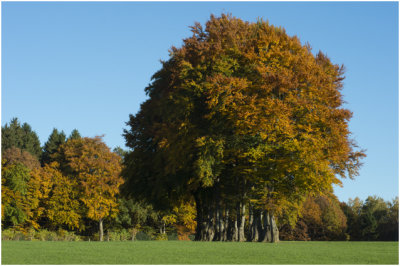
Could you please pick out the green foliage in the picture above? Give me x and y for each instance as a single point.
(14, 184)
(143, 236)
(121, 152)
(22, 137)
(12, 234)
(119, 235)
(16, 177)
(372, 220)
(161, 236)
(42, 235)
(134, 214)
(74, 135)
(55, 140)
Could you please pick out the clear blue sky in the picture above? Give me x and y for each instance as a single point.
(84, 65)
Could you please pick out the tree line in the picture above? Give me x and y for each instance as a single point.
(42, 188)
(325, 218)
(73, 184)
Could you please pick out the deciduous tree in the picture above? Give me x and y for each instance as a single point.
(15, 155)
(14, 188)
(248, 121)
(96, 171)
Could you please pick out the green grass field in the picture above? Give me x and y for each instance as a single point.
(187, 252)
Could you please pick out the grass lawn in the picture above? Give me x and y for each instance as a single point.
(188, 252)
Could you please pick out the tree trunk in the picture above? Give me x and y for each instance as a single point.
(226, 225)
(255, 226)
(249, 232)
(101, 230)
(266, 228)
(274, 230)
(134, 231)
(211, 225)
(218, 217)
(235, 230)
(242, 220)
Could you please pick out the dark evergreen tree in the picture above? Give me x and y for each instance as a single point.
(74, 135)
(55, 140)
(22, 137)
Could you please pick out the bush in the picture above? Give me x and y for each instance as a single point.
(120, 235)
(42, 235)
(12, 234)
(172, 236)
(161, 237)
(142, 236)
(70, 236)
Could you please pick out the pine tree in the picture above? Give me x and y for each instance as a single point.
(55, 140)
(22, 137)
(74, 135)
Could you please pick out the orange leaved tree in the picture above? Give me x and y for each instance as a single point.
(96, 171)
(246, 120)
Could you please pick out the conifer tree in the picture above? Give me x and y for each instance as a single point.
(55, 140)
(20, 136)
(74, 135)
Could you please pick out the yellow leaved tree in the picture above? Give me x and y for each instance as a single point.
(95, 172)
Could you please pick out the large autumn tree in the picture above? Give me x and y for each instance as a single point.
(245, 120)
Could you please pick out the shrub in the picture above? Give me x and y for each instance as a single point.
(8, 234)
(70, 236)
(161, 237)
(172, 236)
(142, 236)
(12, 234)
(120, 235)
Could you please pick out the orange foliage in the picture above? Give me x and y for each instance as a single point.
(96, 173)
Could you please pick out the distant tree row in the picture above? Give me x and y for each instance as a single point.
(325, 218)
(372, 220)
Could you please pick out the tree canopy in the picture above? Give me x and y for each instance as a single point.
(247, 121)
